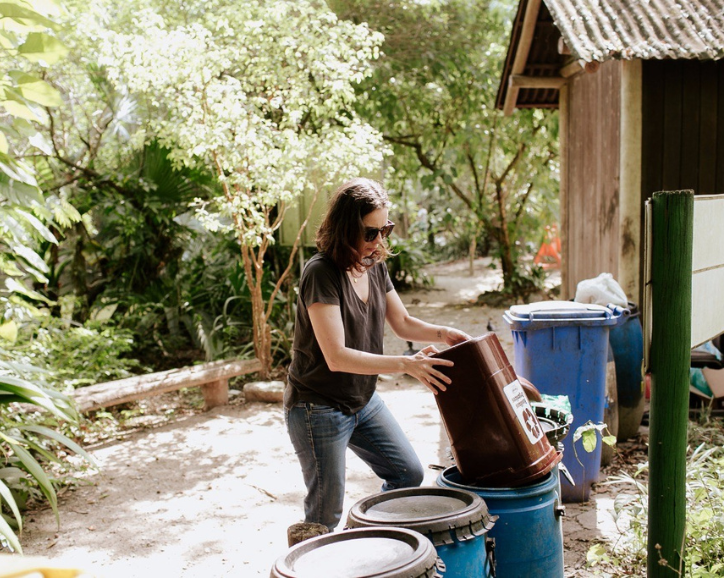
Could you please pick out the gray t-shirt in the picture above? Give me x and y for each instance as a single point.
(310, 378)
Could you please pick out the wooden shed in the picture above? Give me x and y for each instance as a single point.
(640, 91)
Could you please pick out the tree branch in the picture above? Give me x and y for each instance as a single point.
(293, 252)
(425, 162)
(519, 212)
(491, 140)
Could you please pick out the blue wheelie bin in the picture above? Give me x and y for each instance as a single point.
(562, 348)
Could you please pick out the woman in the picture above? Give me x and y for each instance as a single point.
(345, 297)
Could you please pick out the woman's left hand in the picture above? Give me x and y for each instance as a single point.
(454, 336)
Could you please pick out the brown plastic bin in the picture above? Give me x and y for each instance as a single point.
(496, 438)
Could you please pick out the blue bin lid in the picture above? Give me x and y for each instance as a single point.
(562, 313)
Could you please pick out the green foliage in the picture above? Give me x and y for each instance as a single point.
(131, 256)
(588, 434)
(27, 447)
(27, 219)
(258, 93)
(205, 307)
(75, 356)
(406, 265)
(131, 239)
(26, 216)
(433, 97)
(704, 545)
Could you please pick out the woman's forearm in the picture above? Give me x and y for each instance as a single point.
(420, 366)
(350, 360)
(414, 329)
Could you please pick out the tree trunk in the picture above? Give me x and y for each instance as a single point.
(506, 249)
(471, 254)
(261, 331)
(507, 263)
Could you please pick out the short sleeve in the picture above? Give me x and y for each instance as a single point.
(320, 283)
(388, 282)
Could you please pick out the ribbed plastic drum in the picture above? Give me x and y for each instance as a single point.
(362, 553)
(627, 344)
(528, 532)
(455, 521)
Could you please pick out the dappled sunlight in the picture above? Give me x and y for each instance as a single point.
(213, 494)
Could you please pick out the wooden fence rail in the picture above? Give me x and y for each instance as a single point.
(212, 377)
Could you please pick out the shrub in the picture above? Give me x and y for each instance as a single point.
(27, 446)
(406, 264)
(75, 356)
(704, 542)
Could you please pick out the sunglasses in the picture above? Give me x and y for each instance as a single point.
(371, 233)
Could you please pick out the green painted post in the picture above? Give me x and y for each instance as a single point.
(670, 357)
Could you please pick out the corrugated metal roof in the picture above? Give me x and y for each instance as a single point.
(544, 60)
(647, 29)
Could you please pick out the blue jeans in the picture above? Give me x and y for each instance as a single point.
(321, 435)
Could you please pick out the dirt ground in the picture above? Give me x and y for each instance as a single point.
(212, 493)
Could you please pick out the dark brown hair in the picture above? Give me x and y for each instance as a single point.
(342, 229)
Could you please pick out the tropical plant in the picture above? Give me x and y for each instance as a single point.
(26, 217)
(29, 48)
(26, 447)
(132, 239)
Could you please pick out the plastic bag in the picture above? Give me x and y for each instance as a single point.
(601, 290)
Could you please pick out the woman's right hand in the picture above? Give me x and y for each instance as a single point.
(422, 367)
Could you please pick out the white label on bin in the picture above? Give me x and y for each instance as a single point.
(523, 411)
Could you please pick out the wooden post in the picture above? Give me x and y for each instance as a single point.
(670, 357)
(629, 226)
(563, 124)
(215, 393)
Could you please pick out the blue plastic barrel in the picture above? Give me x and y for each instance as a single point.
(562, 348)
(627, 344)
(528, 532)
(363, 553)
(456, 521)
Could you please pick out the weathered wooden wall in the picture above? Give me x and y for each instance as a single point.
(592, 179)
(683, 127)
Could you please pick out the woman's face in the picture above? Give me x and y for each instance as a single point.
(375, 220)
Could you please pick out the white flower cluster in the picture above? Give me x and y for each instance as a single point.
(260, 92)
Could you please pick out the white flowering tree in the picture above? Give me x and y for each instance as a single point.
(260, 91)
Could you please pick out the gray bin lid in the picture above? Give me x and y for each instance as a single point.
(362, 553)
(444, 515)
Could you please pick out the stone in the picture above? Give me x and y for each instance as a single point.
(265, 391)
